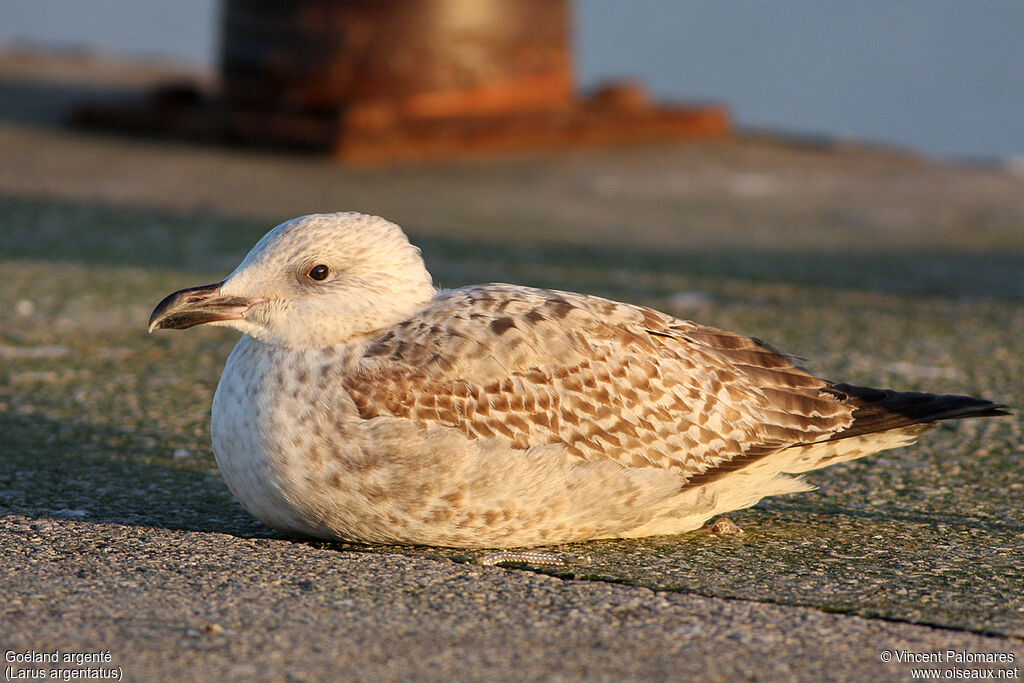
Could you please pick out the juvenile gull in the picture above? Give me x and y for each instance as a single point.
(361, 404)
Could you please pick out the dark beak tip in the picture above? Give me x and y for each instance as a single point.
(183, 309)
(154, 323)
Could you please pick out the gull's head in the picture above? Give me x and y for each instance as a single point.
(311, 282)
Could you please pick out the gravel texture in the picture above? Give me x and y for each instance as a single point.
(202, 605)
(118, 534)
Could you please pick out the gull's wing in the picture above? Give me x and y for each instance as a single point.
(609, 380)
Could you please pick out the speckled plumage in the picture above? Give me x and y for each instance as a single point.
(369, 407)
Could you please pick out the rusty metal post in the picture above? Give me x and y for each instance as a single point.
(410, 58)
(391, 80)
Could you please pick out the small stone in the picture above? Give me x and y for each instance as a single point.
(724, 525)
(24, 308)
(684, 301)
(72, 513)
(182, 453)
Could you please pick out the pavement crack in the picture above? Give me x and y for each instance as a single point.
(563, 575)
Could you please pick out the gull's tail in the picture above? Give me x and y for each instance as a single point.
(882, 419)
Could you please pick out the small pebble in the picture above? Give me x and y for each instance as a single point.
(24, 308)
(682, 301)
(207, 629)
(724, 525)
(72, 512)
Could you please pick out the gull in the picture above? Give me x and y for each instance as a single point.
(363, 405)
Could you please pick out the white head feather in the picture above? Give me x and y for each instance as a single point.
(374, 279)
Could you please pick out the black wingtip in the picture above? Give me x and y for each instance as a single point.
(877, 410)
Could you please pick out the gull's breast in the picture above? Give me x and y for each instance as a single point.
(263, 423)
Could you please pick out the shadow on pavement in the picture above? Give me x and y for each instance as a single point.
(73, 470)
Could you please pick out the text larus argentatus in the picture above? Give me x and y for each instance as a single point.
(362, 404)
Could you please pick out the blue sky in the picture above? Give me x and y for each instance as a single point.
(946, 78)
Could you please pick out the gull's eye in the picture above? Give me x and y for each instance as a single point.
(319, 273)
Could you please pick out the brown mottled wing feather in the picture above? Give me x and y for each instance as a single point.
(609, 380)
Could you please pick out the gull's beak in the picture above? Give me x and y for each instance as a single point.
(197, 305)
